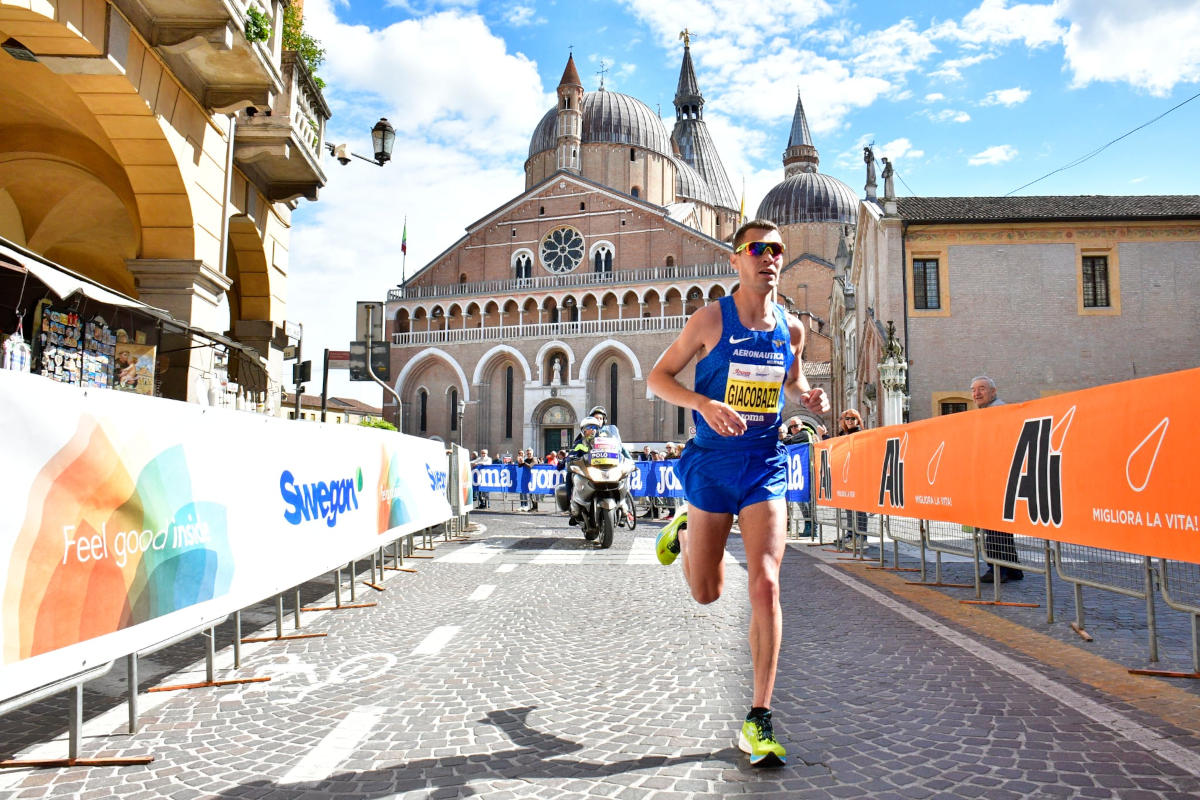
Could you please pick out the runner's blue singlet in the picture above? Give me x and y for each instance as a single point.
(746, 370)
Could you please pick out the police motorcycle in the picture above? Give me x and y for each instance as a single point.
(600, 499)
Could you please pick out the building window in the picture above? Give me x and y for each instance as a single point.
(541, 211)
(952, 407)
(424, 402)
(636, 192)
(612, 393)
(632, 154)
(925, 284)
(602, 259)
(582, 206)
(523, 267)
(508, 402)
(1095, 282)
(454, 409)
(680, 420)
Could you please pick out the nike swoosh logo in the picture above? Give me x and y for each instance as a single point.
(732, 340)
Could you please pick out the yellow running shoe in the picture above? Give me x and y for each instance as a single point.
(666, 546)
(757, 738)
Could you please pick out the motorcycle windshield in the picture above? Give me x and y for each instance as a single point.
(606, 449)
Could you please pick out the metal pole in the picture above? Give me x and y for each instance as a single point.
(370, 369)
(1049, 585)
(131, 678)
(299, 386)
(75, 721)
(297, 608)
(279, 616)
(325, 385)
(237, 639)
(210, 654)
(1151, 620)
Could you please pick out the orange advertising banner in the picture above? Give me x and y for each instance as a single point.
(1107, 467)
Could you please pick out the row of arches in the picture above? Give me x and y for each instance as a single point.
(511, 399)
(568, 307)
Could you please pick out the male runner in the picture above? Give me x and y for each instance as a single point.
(749, 351)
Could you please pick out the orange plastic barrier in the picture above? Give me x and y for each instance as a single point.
(1107, 467)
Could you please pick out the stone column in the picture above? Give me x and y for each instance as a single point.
(190, 291)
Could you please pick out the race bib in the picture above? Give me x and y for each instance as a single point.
(753, 391)
(606, 451)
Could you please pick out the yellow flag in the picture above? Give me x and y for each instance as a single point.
(742, 210)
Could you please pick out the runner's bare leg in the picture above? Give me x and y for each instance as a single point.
(764, 527)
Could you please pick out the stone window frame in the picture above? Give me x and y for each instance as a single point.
(943, 262)
(1109, 252)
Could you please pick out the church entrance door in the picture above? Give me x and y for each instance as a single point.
(558, 426)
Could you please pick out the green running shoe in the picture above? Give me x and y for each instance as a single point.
(666, 546)
(758, 739)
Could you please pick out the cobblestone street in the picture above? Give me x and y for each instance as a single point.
(526, 663)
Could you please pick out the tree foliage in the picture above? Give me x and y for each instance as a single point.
(309, 49)
(373, 422)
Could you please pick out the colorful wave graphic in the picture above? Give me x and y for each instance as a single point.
(100, 550)
(396, 497)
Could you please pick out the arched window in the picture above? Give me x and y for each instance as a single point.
(508, 402)
(670, 261)
(636, 192)
(602, 258)
(523, 267)
(612, 393)
(454, 409)
(462, 277)
(423, 400)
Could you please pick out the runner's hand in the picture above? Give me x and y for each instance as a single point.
(722, 418)
(815, 400)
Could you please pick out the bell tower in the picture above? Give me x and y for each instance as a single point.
(569, 127)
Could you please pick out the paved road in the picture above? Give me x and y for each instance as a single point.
(525, 663)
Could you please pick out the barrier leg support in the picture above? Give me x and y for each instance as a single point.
(1077, 625)
(279, 634)
(209, 669)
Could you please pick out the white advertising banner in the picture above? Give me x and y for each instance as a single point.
(126, 520)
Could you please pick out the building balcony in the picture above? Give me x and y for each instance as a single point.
(204, 43)
(501, 288)
(541, 330)
(279, 147)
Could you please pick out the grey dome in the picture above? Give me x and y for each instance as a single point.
(689, 183)
(810, 197)
(608, 117)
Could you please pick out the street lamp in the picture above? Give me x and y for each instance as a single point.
(383, 138)
(462, 409)
(893, 374)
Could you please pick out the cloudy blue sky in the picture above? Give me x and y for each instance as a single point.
(975, 97)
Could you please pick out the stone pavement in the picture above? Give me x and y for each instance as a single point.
(525, 663)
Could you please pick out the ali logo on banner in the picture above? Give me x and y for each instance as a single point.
(1107, 467)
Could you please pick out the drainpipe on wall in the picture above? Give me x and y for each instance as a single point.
(904, 301)
(224, 251)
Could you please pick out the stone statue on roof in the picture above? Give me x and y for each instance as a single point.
(889, 186)
(869, 160)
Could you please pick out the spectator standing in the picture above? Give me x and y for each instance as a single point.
(996, 544)
(483, 460)
(856, 521)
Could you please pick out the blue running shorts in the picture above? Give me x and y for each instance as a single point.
(726, 481)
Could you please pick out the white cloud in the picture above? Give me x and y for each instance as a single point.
(998, 154)
(460, 149)
(994, 22)
(951, 69)
(1006, 97)
(947, 115)
(934, 97)
(898, 150)
(1153, 46)
(519, 16)
(430, 89)
(892, 52)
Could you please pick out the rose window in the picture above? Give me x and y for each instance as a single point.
(562, 250)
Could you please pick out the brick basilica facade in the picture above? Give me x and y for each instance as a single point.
(565, 296)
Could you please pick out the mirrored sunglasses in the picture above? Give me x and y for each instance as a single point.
(758, 248)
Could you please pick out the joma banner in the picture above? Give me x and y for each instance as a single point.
(1107, 467)
(127, 520)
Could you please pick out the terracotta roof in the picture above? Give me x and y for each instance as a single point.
(570, 76)
(1050, 207)
(312, 402)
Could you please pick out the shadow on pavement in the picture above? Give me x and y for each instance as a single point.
(537, 756)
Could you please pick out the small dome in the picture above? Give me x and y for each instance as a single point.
(608, 117)
(689, 184)
(810, 197)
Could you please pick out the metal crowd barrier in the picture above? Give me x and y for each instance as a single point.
(1130, 575)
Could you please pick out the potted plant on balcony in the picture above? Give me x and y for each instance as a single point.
(258, 25)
